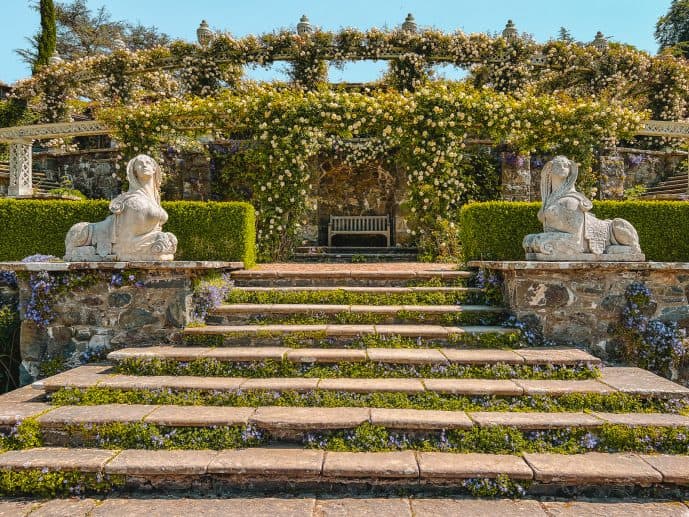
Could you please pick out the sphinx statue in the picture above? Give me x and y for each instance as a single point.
(133, 230)
(571, 232)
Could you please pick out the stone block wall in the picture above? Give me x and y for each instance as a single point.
(97, 306)
(579, 303)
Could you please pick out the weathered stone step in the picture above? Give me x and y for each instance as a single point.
(310, 419)
(631, 381)
(273, 467)
(230, 314)
(527, 356)
(308, 505)
(274, 275)
(332, 334)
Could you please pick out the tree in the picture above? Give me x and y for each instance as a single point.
(672, 30)
(47, 39)
(564, 35)
(82, 32)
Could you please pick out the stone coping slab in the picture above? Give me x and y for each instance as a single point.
(306, 464)
(56, 458)
(317, 418)
(593, 468)
(376, 465)
(626, 380)
(674, 469)
(116, 266)
(431, 331)
(520, 265)
(309, 308)
(441, 465)
(360, 289)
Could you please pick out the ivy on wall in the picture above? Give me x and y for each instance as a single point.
(279, 133)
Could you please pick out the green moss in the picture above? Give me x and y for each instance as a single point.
(42, 483)
(507, 440)
(25, 435)
(342, 297)
(141, 435)
(208, 367)
(319, 340)
(372, 318)
(612, 402)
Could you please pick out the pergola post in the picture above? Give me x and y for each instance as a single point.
(21, 166)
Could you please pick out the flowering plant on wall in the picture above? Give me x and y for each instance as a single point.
(422, 134)
(517, 65)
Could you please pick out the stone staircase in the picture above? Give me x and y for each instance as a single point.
(351, 379)
(673, 188)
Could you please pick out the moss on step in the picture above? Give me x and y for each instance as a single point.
(209, 367)
(613, 402)
(343, 297)
(370, 318)
(47, 483)
(321, 340)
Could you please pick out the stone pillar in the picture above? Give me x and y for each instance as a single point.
(612, 176)
(21, 166)
(515, 177)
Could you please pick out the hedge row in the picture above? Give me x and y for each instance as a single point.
(494, 230)
(205, 231)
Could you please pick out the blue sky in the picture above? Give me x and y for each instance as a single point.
(629, 21)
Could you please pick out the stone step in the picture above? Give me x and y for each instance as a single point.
(419, 356)
(316, 250)
(630, 381)
(332, 334)
(357, 295)
(311, 419)
(242, 313)
(399, 275)
(346, 258)
(87, 426)
(271, 468)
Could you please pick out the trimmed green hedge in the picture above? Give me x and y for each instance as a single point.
(494, 230)
(205, 231)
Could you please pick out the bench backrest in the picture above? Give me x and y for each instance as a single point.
(359, 223)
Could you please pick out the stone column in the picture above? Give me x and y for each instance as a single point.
(516, 177)
(612, 176)
(20, 169)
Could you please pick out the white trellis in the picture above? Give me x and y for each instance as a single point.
(21, 166)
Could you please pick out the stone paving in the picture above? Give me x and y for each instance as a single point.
(291, 506)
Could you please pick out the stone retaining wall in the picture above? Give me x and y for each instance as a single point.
(96, 306)
(580, 302)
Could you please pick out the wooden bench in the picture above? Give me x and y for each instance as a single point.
(359, 225)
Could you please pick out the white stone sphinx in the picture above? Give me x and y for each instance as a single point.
(570, 231)
(133, 232)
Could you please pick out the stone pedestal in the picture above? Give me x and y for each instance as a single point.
(96, 306)
(580, 302)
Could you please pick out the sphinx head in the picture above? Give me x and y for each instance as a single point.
(143, 170)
